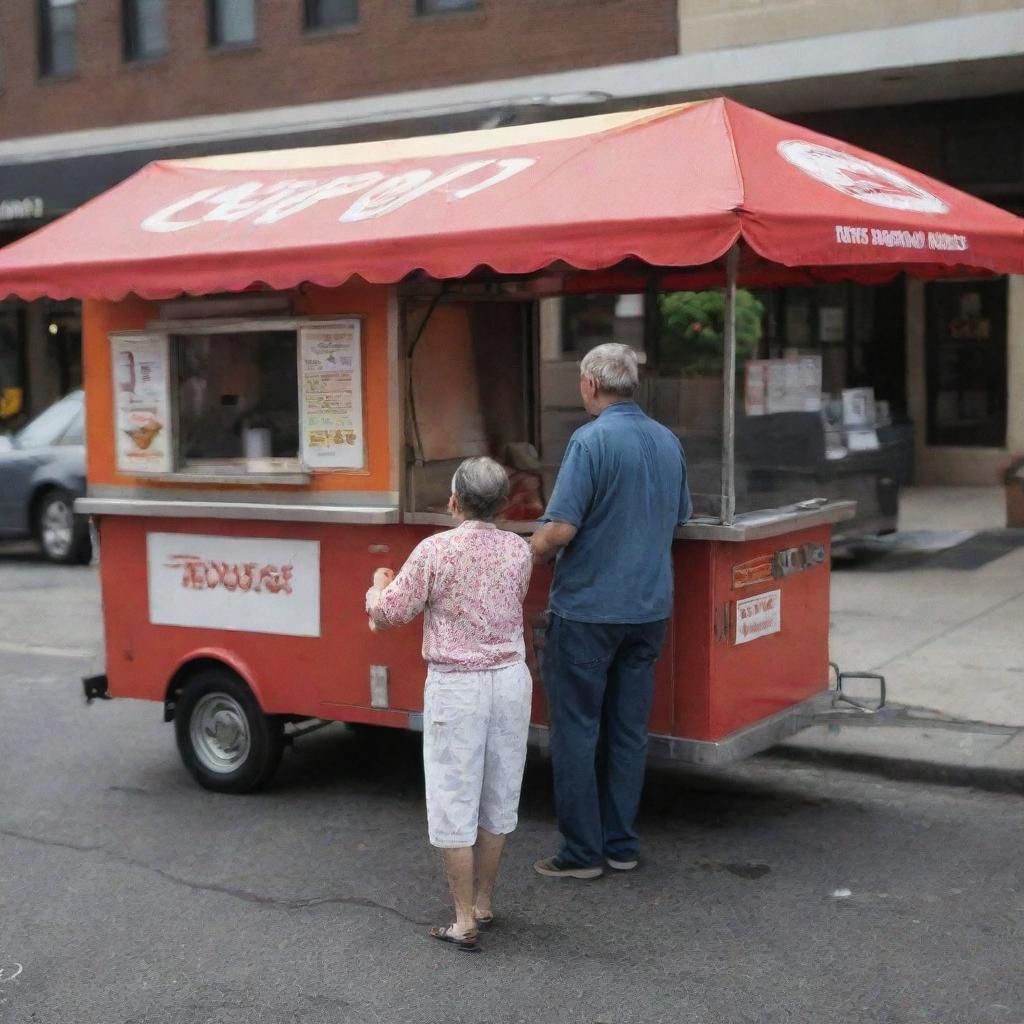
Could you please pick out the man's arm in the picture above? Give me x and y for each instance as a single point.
(549, 540)
(569, 504)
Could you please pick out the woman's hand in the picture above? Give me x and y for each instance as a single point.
(383, 578)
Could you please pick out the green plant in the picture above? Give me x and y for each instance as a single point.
(693, 329)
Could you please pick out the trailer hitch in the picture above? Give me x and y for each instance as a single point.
(841, 695)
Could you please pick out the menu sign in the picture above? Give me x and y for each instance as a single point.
(331, 375)
(142, 403)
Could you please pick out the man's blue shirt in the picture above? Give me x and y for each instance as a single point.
(622, 484)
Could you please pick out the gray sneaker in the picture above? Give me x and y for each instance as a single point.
(621, 865)
(550, 868)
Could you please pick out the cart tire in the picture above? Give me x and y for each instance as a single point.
(225, 740)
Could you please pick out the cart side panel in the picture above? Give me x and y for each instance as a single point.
(755, 679)
(326, 676)
(693, 635)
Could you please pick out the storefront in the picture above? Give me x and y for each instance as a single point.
(40, 341)
(947, 355)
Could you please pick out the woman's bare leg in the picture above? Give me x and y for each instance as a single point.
(458, 865)
(489, 848)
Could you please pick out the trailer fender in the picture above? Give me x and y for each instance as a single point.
(201, 658)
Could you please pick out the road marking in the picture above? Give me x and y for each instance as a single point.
(40, 651)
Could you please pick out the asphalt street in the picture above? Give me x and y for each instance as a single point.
(774, 891)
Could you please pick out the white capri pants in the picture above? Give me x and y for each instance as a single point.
(475, 727)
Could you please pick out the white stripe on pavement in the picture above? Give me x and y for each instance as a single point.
(47, 652)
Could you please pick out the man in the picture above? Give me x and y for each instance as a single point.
(620, 494)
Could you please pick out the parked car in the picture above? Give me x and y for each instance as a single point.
(42, 472)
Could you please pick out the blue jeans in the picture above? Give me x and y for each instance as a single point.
(599, 680)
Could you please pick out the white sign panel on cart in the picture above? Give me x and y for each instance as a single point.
(758, 616)
(142, 403)
(331, 380)
(249, 584)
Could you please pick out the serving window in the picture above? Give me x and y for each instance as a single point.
(275, 399)
(470, 392)
(499, 376)
(238, 398)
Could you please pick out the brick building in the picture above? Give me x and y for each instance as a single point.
(93, 89)
(279, 53)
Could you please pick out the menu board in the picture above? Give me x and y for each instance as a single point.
(142, 419)
(331, 385)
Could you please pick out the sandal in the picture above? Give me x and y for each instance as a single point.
(483, 920)
(468, 942)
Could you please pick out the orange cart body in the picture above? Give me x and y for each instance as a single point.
(716, 689)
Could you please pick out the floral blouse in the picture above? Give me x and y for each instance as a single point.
(470, 583)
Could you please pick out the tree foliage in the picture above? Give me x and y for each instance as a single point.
(693, 329)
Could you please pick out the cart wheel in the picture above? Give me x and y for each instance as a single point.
(226, 741)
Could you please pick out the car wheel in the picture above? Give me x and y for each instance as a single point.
(224, 738)
(63, 536)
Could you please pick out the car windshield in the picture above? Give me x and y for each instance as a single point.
(49, 426)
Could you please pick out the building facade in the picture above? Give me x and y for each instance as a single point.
(93, 89)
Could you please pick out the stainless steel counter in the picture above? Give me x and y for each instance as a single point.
(355, 514)
(749, 526)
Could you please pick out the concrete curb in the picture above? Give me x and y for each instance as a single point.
(941, 751)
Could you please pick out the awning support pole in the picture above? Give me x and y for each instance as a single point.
(728, 508)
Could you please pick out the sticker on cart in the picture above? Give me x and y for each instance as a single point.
(142, 403)
(758, 616)
(248, 584)
(750, 574)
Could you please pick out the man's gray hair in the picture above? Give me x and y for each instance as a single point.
(614, 367)
(480, 487)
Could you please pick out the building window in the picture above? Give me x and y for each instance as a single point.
(330, 13)
(232, 22)
(145, 29)
(58, 51)
(444, 6)
(966, 361)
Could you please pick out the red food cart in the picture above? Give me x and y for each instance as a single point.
(287, 352)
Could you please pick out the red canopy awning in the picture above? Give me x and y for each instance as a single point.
(673, 186)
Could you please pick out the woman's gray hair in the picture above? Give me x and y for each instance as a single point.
(480, 487)
(614, 367)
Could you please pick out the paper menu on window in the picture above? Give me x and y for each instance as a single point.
(331, 383)
(142, 420)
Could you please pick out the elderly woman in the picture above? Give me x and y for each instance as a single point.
(470, 582)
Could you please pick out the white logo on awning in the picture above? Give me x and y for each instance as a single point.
(261, 203)
(858, 178)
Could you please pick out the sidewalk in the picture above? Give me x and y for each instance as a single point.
(946, 629)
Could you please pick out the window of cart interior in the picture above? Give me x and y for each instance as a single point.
(237, 399)
(233, 397)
